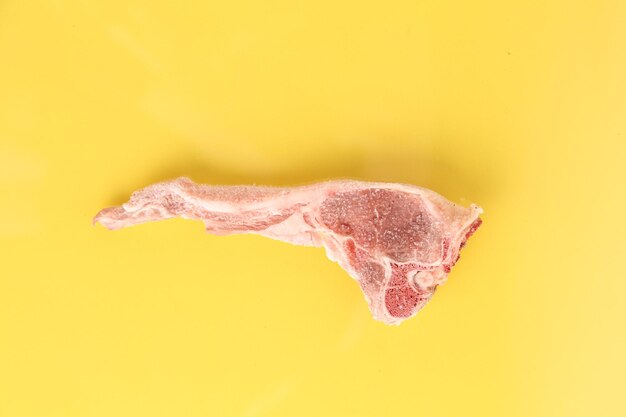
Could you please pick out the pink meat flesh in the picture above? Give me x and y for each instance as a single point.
(397, 241)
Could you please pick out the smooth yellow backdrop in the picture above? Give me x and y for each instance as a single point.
(519, 106)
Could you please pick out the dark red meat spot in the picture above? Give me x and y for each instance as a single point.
(401, 301)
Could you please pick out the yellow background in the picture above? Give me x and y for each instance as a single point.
(517, 106)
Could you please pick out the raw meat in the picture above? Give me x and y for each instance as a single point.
(397, 241)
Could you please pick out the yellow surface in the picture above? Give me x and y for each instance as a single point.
(518, 106)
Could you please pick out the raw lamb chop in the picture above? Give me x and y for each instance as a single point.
(397, 241)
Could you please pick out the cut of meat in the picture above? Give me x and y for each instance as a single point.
(397, 241)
